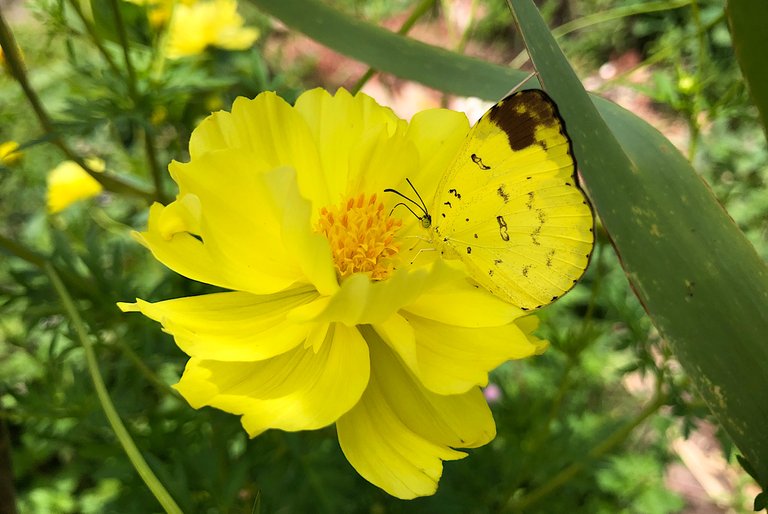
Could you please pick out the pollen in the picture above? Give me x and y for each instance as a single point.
(362, 237)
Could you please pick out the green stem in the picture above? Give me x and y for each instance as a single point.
(123, 36)
(145, 370)
(89, 28)
(608, 444)
(7, 490)
(468, 30)
(149, 145)
(415, 15)
(693, 121)
(22, 252)
(18, 71)
(133, 453)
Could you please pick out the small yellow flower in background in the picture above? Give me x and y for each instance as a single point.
(332, 315)
(160, 11)
(9, 153)
(196, 26)
(69, 183)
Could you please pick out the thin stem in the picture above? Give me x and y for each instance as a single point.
(154, 164)
(7, 490)
(693, 121)
(18, 71)
(415, 15)
(149, 145)
(150, 375)
(22, 252)
(123, 36)
(89, 28)
(462, 45)
(124, 438)
(608, 444)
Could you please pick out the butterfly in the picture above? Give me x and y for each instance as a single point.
(510, 206)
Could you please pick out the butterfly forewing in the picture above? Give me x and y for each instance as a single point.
(510, 207)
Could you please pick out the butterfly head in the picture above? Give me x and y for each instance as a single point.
(425, 218)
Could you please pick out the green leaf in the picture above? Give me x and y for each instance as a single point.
(702, 283)
(393, 53)
(746, 19)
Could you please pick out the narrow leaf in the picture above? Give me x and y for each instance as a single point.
(746, 19)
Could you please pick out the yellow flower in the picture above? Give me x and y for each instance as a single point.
(9, 153)
(69, 183)
(160, 11)
(333, 314)
(207, 23)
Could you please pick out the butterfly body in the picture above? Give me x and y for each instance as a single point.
(510, 207)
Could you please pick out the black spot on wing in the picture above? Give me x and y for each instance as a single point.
(477, 160)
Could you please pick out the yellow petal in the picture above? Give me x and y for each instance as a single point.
(360, 300)
(230, 326)
(399, 433)
(69, 183)
(9, 152)
(339, 123)
(437, 134)
(299, 390)
(209, 23)
(452, 299)
(452, 360)
(308, 248)
(240, 222)
(270, 128)
(181, 251)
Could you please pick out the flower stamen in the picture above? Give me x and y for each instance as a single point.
(362, 236)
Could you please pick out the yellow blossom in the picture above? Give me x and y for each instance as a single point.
(69, 183)
(195, 27)
(332, 314)
(160, 11)
(9, 153)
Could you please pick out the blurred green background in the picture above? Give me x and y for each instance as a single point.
(605, 421)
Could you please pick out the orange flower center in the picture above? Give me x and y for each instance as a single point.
(362, 237)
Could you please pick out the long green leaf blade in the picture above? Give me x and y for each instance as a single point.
(700, 280)
(746, 19)
(393, 53)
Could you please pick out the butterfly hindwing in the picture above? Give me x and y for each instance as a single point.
(510, 206)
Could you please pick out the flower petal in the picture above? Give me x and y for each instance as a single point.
(232, 326)
(452, 360)
(339, 124)
(452, 299)
(178, 249)
(437, 134)
(69, 183)
(269, 127)
(261, 246)
(399, 433)
(360, 300)
(298, 390)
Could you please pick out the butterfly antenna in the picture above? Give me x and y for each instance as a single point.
(423, 205)
(404, 205)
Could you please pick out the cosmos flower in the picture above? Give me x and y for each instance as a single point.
(69, 183)
(335, 310)
(9, 153)
(194, 26)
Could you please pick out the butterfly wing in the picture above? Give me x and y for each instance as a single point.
(510, 206)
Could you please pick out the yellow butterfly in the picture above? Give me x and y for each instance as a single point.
(510, 206)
